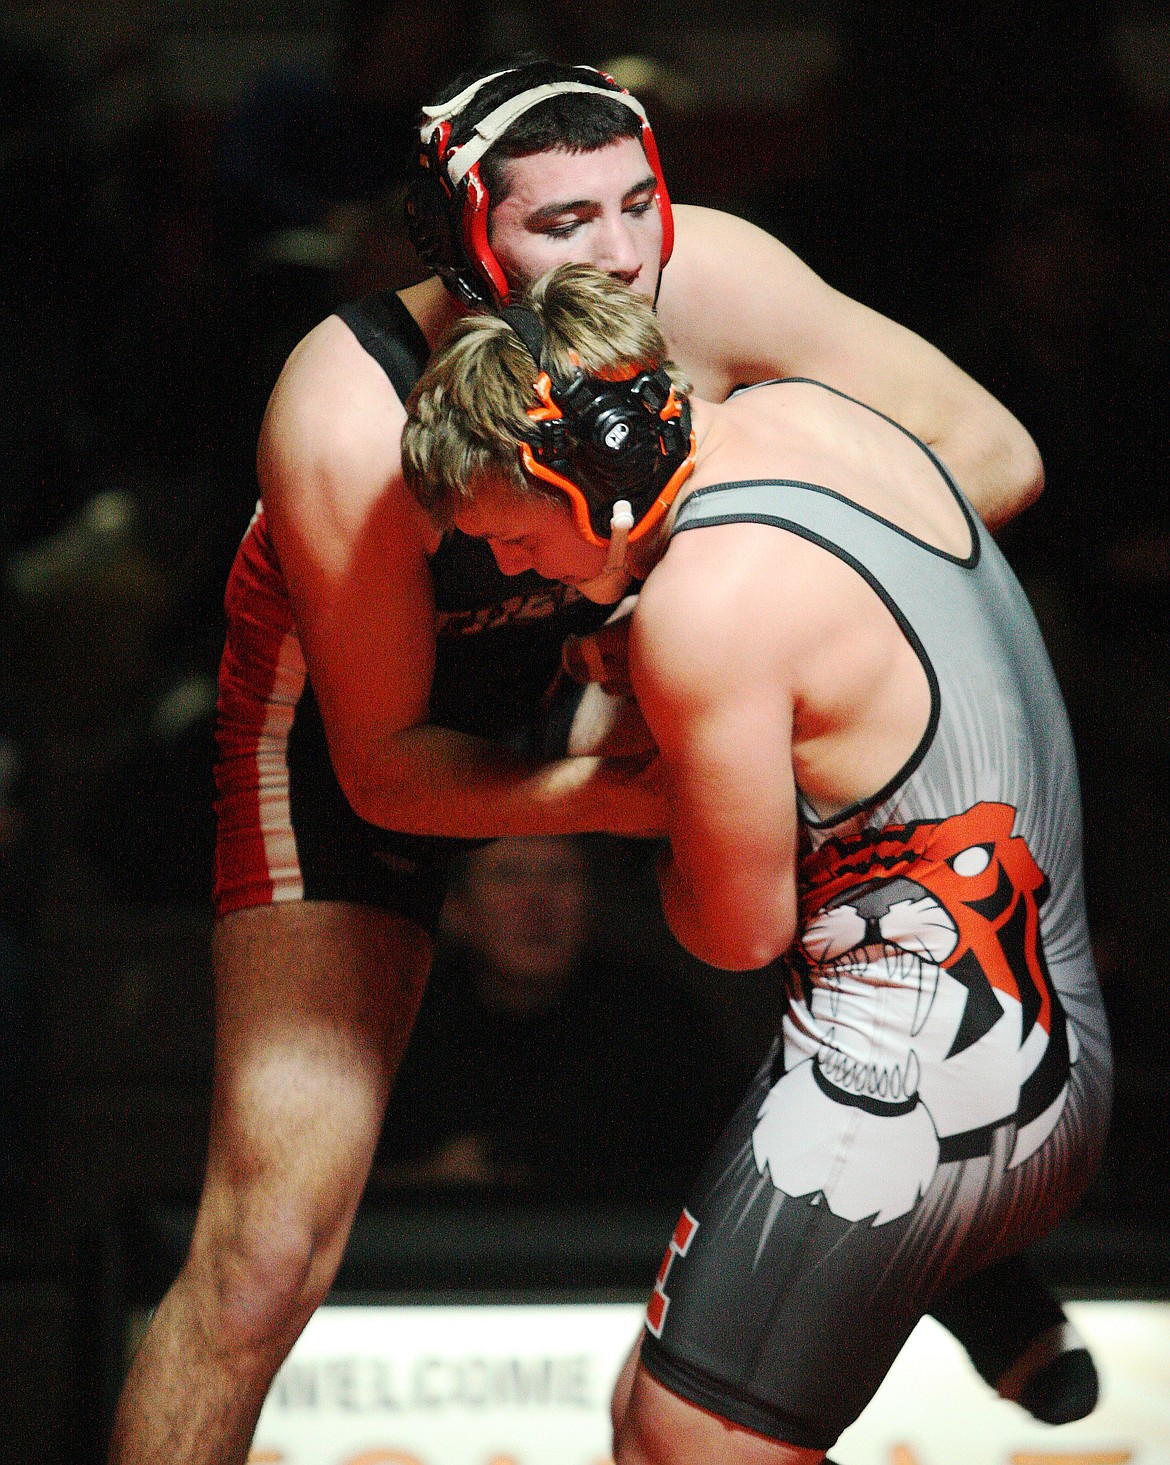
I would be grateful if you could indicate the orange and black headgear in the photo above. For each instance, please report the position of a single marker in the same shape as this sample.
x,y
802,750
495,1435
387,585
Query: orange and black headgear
x,y
447,202
606,442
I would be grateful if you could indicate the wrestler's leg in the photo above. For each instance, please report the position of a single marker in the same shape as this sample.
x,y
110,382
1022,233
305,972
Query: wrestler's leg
x,y
1021,1341
659,1428
623,1390
1059,1386
314,1005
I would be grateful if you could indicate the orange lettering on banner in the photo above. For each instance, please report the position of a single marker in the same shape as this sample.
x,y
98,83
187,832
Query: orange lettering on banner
x,y
1081,1457
503,1460
384,1457
903,1455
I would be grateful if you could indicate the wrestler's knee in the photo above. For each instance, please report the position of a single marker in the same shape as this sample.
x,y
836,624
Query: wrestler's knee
x,y
268,1240
646,1433
256,1271
635,1444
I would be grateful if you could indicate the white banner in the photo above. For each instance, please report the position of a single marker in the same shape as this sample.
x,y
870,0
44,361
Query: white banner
x,y
530,1385
934,1409
477,1385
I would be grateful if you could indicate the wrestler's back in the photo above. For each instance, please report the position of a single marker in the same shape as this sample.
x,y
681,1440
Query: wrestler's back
x,y
902,633
862,695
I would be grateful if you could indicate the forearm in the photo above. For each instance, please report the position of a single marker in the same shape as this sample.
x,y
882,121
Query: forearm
x,y
987,451
433,780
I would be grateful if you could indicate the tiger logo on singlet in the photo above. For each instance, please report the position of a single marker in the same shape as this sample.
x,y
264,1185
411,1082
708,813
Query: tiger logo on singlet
x,y
921,1015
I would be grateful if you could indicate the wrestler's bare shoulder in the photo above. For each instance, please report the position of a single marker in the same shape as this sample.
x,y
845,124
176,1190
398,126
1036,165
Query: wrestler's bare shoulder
x,y
332,432
329,385
334,401
735,302
702,236
329,452
699,616
742,595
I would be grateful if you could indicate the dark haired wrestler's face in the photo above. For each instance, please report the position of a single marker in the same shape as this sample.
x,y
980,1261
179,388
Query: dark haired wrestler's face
x,y
595,208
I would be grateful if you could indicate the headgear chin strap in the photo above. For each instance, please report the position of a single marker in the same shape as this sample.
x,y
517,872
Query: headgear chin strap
x,y
447,204
626,444
613,582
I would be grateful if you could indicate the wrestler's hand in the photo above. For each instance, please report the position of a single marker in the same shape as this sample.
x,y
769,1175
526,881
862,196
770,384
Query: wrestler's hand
x,y
602,658
608,722
609,727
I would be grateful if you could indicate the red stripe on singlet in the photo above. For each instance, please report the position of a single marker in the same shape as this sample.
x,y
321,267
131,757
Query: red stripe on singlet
x,y
261,677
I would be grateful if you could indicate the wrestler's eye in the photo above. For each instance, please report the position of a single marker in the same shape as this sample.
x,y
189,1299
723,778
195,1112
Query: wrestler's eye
x,y
972,861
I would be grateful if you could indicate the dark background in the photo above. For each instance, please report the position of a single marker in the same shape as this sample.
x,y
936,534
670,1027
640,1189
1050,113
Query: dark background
x,y
186,187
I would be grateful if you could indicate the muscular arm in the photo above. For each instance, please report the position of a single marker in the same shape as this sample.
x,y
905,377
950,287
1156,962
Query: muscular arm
x,y
720,711
353,547
775,317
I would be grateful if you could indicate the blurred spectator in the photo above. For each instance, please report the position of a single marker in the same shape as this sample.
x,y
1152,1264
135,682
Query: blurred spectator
x,y
540,1064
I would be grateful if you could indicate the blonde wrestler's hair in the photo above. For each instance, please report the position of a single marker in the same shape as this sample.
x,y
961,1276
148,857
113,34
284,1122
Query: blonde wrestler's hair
x,y
467,416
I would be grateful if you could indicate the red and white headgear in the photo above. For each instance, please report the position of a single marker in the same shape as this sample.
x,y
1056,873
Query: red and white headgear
x,y
447,203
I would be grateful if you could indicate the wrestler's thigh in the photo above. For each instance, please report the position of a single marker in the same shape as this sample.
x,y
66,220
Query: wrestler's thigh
x,y
314,1005
659,1428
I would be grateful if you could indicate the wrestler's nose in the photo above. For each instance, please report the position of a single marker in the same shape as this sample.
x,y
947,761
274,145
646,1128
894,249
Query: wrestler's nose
x,y
619,252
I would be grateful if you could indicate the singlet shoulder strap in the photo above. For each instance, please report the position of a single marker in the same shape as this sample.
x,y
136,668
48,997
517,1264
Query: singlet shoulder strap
x,y
391,335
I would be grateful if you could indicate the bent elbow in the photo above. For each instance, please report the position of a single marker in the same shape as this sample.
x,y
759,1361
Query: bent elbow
x,y
1031,473
750,956
365,790
729,943
1016,482
737,925
358,792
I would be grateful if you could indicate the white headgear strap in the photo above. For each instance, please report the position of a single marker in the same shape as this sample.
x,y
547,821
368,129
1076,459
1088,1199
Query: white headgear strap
x,y
492,127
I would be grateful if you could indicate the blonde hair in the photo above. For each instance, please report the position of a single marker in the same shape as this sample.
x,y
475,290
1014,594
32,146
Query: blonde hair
x,y
468,414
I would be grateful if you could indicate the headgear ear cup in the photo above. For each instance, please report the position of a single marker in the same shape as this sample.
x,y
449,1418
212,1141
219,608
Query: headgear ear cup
x,y
631,439
432,221
455,135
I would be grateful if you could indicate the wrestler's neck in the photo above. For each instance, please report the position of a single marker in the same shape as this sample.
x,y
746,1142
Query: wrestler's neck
x,y
434,308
